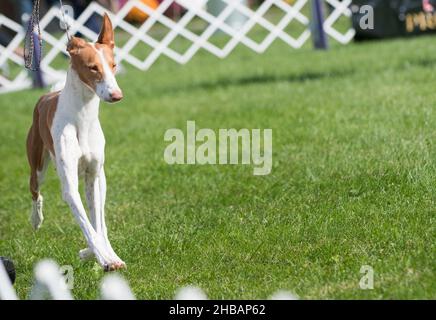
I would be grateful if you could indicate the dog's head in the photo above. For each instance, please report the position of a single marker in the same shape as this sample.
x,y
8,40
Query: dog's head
x,y
95,63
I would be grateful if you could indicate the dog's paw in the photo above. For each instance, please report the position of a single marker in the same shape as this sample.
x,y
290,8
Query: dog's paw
x,y
36,216
113,266
105,255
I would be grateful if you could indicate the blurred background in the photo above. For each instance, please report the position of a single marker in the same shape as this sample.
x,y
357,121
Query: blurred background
x,y
254,23
348,88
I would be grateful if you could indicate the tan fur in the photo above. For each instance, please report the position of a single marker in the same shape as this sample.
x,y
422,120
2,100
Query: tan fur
x,y
67,122
82,55
107,34
84,63
39,139
90,71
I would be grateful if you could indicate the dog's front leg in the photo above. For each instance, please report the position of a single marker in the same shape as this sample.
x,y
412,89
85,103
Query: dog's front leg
x,y
101,217
67,162
96,196
93,201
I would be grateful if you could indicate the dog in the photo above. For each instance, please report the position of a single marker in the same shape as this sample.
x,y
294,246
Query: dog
x,y
66,130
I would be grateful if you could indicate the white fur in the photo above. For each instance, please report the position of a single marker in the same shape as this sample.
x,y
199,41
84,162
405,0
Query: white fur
x,y
58,86
79,148
109,85
36,217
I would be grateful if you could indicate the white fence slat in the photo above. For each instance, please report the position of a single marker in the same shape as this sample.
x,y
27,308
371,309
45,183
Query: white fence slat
x,y
49,283
293,13
7,291
114,287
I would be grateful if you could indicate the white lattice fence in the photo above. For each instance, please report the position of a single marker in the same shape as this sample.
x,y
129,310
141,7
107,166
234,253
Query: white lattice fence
x,y
195,11
50,283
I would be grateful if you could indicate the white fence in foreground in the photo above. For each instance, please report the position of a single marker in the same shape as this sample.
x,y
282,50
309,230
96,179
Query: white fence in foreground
x,y
50,284
195,11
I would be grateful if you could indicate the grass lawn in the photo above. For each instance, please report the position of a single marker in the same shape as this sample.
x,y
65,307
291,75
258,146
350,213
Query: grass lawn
x,y
353,180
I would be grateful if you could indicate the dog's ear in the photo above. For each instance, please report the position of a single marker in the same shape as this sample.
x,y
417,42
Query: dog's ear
x,y
75,44
107,33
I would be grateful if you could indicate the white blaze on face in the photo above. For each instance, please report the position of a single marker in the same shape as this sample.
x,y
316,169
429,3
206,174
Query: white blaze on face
x,y
106,88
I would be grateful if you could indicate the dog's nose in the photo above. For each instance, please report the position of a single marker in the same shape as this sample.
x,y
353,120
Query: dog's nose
x,y
116,95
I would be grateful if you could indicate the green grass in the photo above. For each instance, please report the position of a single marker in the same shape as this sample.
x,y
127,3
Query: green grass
x,y
353,180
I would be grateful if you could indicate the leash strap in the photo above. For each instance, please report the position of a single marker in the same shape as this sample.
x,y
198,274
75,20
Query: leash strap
x,y
33,40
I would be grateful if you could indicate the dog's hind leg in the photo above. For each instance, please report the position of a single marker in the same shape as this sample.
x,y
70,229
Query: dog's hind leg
x,y
36,216
38,159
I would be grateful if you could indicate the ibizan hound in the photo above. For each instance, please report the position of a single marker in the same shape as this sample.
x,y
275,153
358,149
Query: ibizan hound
x,y
66,129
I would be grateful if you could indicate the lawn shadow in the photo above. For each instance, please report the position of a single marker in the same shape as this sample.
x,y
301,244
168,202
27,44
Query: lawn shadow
x,y
277,78
426,62
266,79
261,79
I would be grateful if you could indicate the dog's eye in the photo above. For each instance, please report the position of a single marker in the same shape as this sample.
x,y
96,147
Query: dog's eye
x,y
114,65
93,68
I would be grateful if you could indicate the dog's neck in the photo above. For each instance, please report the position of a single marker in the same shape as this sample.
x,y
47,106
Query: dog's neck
x,y
77,95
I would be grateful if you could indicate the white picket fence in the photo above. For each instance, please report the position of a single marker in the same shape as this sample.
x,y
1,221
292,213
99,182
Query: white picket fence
x,y
50,284
195,10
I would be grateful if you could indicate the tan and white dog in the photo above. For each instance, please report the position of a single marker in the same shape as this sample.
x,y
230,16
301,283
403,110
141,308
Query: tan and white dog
x,y
67,130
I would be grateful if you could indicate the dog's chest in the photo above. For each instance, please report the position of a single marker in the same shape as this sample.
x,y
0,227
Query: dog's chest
x,y
91,142
87,142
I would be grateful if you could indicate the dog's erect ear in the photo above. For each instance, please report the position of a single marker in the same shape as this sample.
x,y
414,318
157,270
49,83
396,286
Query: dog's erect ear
x,y
107,33
75,44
